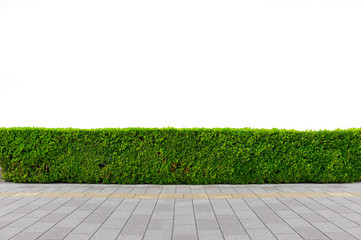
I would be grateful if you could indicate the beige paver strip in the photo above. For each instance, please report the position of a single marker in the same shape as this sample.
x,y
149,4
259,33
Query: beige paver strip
x,y
73,195
122,195
26,194
316,194
357,194
293,195
50,195
244,195
7,194
171,195
268,195
195,195
220,195
146,195
97,195
340,194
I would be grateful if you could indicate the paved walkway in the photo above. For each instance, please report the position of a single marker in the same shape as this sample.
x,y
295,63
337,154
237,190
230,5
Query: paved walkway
x,y
89,211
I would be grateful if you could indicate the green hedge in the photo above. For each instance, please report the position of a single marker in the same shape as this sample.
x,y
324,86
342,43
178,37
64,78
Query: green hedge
x,y
179,156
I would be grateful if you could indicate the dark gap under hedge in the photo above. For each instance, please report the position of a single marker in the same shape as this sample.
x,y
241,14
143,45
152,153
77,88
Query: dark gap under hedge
x,y
179,156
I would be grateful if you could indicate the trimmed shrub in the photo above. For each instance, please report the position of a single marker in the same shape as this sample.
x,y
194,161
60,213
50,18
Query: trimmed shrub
x,y
179,156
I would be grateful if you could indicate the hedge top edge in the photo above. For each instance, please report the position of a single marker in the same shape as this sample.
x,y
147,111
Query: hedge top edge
x,y
176,129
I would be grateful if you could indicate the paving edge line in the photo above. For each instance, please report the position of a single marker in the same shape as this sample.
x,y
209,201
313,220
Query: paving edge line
x,y
180,195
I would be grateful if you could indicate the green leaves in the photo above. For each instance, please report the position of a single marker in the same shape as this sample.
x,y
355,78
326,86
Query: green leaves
x,y
179,156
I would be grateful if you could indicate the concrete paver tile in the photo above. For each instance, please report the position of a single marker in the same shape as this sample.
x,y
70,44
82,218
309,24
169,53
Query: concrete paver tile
x,y
183,189
130,237
340,236
236,237
53,218
327,213
298,222
121,214
141,219
69,222
154,189
270,218
185,237
285,214
356,232
78,236
108,234
238,204
25,235
162,215
184,211
143,210
210,234
202,207
227,219
158,234
23,222
4,223
280,228
96,218
128,204
87,228
183,219
205,215
207,224
313,218
82,214
260,234
134,229
236,229
11,217
288,236
7,233
327,227
118,223
40,227
310,233
252,223
246,214
56,233
164,207
185,229
160,224
64,209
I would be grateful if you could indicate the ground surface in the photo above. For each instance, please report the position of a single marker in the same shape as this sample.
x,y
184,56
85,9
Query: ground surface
x,y
282,211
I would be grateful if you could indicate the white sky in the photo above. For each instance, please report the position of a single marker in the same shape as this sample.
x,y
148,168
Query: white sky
x,y
293,64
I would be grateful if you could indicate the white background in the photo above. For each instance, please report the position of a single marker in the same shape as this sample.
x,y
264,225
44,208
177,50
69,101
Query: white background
x,y
292,64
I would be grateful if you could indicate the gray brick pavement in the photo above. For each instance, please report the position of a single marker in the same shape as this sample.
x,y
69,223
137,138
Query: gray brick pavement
x,y
98,217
